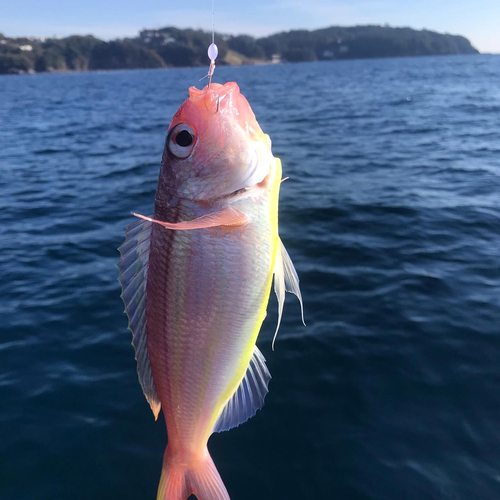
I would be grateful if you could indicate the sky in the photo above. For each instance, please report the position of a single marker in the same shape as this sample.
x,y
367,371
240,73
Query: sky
x,y
478,20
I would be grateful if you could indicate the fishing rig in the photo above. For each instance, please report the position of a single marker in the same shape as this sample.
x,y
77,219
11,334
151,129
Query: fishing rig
x,y
213,52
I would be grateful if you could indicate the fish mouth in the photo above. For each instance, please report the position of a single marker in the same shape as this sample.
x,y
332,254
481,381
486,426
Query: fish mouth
x,y
240,193
237,193
259,168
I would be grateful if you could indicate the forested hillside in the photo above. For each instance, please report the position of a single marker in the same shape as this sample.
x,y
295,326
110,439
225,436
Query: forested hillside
x,y
174,47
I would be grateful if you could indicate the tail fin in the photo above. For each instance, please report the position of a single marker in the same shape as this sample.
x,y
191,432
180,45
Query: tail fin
x,y
198,477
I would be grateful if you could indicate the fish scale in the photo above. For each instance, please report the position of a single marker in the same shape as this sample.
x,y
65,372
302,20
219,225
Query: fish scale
x,y
237,260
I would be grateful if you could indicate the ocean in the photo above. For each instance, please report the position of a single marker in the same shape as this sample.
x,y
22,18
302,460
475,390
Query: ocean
x,y
392,218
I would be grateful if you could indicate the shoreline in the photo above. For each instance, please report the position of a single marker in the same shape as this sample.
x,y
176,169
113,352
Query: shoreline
x,y
256,63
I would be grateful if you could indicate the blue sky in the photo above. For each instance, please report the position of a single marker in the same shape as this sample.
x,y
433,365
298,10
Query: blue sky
x,y
478,20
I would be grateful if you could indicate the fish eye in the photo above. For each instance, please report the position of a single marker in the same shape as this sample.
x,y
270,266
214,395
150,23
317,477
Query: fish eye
x,y
181,140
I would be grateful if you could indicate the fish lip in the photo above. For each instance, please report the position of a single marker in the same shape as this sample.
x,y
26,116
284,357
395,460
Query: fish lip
x,y
239,193
250,175
235,195
261,167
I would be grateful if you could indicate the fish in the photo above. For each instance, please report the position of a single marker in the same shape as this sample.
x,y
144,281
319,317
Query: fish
x,y
196,277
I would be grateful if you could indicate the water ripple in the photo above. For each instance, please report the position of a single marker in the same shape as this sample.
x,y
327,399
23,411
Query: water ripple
x,y
391,215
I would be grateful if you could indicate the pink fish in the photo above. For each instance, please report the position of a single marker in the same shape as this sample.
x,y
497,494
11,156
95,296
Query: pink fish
x,y
196,278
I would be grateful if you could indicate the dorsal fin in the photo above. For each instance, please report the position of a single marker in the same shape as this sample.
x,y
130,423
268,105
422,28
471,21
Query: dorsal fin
x,y
133,267
249,397
285,280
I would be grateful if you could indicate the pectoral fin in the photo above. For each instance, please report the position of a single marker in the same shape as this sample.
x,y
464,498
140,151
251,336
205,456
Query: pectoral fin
x,y
226,217
285,280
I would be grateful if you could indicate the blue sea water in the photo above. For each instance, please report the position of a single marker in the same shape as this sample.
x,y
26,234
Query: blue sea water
x,y
392,217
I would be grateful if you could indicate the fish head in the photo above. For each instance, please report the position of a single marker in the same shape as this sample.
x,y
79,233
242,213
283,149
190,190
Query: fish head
x,y
214,146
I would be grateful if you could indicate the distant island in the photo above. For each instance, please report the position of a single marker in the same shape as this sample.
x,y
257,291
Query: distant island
x,y
174,47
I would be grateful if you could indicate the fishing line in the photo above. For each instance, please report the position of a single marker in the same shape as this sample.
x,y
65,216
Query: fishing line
x,y
213,30
213,51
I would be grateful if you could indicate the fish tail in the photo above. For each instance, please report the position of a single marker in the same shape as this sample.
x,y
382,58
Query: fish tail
x,y
198,476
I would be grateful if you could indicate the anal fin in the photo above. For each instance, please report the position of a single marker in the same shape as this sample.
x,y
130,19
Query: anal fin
x,y
249,397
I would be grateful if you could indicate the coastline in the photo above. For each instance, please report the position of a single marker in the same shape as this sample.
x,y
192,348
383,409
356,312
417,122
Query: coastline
x,y
256,63
174,47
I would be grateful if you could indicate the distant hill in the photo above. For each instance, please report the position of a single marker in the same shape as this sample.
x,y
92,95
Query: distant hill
x,y
361,42
174,47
